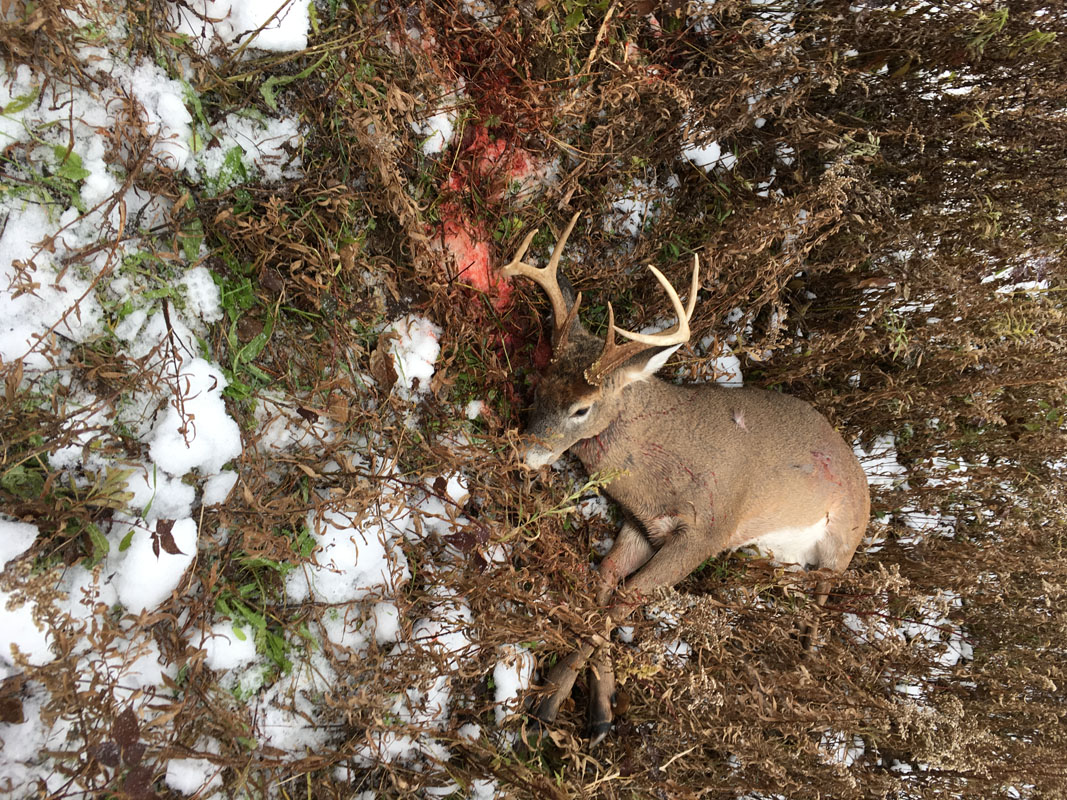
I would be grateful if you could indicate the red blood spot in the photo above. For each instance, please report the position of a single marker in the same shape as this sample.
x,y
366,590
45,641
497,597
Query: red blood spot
x,y
486,167
467,243
492,166
542,354
822,467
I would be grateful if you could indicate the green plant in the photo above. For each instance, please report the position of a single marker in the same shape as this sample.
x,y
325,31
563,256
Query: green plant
x,y
897,327
985,27
251,593
1035,41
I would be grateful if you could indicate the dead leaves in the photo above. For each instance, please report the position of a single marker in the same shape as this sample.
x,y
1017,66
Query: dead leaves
x,y
163,538
382,368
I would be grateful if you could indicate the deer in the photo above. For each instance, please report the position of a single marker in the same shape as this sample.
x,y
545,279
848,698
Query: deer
x,y
698,470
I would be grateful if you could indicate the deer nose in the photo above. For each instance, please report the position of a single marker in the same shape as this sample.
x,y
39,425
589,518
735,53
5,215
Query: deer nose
x,y
535,456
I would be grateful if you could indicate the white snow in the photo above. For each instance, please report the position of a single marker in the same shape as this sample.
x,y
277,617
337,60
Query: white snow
x,y
145,579
15,539
484,12
266,148
131,325
880,462
193,775
61,304
227,646
415,347
927,628
277,25
436,130
511,677
385,622
456,490
473,409
87,593
727,368
196,432
723,365
677,652
133,668
202,298
159,496
279,425
471,731
218,487
840,748
21,744
633,209
350,562
386,747
447,632
700,15
19,632
287,714
166,117
709,155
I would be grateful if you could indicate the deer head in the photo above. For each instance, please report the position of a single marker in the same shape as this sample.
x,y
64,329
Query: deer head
x,y
581,393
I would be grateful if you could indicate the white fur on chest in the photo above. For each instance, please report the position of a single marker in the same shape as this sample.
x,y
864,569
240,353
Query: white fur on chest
x,y
792,545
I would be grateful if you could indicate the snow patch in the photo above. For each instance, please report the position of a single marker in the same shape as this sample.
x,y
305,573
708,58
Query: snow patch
x,y
20,632
196,432
15,539
352,561
512,676
275,25
146,578
415,348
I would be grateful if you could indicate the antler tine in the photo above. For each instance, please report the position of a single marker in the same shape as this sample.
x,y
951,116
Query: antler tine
x,y
516,265
557,251
615,355
546,276
680,333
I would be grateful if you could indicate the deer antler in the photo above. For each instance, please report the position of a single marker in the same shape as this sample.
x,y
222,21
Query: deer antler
x,y
615,355
562,317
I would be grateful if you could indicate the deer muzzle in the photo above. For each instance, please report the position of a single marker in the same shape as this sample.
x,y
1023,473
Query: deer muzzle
x,y
535,456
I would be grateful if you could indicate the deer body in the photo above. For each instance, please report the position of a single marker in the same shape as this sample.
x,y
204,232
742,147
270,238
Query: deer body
x,y
699,469
686,464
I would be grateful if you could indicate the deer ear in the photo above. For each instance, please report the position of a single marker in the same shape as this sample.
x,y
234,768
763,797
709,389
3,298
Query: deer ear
x,y
645,366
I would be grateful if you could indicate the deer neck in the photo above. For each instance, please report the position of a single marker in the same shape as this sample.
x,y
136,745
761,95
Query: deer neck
x,y
609,448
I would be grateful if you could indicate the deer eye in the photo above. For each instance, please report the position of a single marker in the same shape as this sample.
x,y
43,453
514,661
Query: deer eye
x,y
579,413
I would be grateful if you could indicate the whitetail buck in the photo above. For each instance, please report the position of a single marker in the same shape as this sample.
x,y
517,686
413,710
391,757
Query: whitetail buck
x,y
700,469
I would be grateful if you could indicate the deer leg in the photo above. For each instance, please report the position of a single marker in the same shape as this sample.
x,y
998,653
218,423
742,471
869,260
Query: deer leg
x,y
679,556
630,551
810,631
672,562
601,696
561,680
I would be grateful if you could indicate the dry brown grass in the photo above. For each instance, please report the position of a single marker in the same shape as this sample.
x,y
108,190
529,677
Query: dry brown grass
x,y
962,185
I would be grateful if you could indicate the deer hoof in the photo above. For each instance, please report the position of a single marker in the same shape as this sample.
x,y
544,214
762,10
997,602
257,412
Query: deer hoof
x,y
598,732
